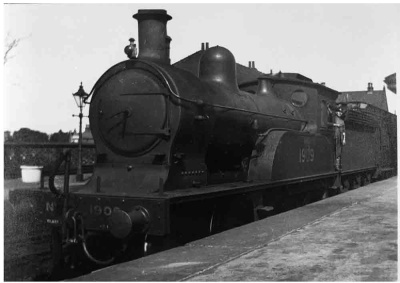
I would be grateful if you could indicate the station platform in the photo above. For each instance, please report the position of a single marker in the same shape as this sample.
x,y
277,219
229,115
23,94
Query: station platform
x,y
348,237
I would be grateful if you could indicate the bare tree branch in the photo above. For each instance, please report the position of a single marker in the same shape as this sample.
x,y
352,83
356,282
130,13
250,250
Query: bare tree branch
x,y
10,45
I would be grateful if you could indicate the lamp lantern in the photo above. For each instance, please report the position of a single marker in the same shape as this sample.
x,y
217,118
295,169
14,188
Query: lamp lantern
x,y
80,97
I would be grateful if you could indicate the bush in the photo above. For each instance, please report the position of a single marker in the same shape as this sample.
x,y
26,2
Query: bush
x,y
14,157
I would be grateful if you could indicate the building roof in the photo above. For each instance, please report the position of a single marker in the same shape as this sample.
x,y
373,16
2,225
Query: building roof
x,y
86,136
245,74
376,98
191,64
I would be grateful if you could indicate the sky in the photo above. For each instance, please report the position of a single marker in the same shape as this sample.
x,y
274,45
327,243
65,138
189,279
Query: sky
x,y
344,45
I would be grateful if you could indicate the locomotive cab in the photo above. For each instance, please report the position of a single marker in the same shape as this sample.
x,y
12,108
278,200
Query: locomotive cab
x,y
301,93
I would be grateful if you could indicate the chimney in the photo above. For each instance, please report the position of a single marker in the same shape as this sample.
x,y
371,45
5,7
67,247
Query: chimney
x,y
154,43
202,46
207,45
370,88
251,64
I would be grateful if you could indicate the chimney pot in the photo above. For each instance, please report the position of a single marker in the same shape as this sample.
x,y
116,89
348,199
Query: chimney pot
x,y
202,46
207,45
370,87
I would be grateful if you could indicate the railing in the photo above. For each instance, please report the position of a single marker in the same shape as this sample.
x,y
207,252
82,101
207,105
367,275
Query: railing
x,y
44,154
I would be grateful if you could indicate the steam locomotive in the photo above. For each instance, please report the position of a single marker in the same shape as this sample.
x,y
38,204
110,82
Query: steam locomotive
x,y
190,149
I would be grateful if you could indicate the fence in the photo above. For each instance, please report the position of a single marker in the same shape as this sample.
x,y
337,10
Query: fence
x,y
44,154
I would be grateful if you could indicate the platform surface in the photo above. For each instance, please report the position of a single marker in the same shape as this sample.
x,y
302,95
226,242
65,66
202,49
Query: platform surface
x,y
349,237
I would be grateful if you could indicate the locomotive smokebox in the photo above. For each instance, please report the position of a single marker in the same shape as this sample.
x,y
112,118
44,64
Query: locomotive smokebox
x,y
154,43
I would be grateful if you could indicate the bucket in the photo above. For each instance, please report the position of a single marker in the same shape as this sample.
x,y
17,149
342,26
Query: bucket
x,y
31,174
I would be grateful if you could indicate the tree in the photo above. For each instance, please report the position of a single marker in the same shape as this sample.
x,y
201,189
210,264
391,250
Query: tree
x,y
60,136
28,135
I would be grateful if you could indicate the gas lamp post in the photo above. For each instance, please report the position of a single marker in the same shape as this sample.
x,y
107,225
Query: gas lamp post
x,y
80,97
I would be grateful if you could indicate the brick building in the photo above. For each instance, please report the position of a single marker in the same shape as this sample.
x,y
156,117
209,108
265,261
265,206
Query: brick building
x,y
86,136
373,97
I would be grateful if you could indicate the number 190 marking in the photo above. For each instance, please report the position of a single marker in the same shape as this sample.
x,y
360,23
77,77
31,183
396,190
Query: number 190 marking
x,y
98,210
